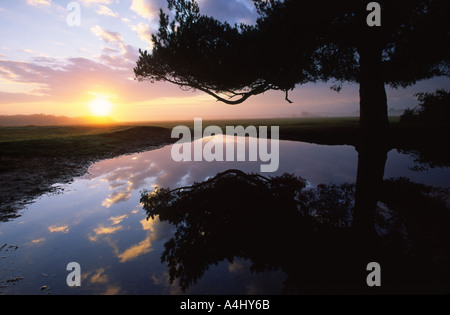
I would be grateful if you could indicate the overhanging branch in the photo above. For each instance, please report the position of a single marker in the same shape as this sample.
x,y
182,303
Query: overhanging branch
x,y
243,96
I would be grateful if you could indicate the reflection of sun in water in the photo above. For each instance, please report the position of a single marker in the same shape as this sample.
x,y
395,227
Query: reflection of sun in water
x,y
100,107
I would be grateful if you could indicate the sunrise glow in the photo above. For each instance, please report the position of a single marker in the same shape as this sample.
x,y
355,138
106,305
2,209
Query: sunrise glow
x,y
53,67
100,107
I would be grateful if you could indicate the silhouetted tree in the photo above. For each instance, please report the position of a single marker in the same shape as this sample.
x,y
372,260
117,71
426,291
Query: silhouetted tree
x,y
295,42
278,223
432,108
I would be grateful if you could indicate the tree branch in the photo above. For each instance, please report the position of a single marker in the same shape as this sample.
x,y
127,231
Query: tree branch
x,y
287,97
243,95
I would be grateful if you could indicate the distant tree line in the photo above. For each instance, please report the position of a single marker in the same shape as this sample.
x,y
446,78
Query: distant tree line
x,y
49,120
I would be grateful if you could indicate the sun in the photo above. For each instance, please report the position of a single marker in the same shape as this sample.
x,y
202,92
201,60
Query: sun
x,y
100,107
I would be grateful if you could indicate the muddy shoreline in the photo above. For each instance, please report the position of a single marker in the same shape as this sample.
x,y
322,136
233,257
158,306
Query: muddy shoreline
x,y
29,177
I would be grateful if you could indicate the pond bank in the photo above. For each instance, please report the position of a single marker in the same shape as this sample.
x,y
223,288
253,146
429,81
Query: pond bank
x,y
34,159
31,168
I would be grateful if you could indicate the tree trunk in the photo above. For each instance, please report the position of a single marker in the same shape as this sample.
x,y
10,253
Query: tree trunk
x,y
372,92
369,179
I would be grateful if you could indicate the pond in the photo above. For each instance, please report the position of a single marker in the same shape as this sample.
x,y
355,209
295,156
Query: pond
x,y
99,222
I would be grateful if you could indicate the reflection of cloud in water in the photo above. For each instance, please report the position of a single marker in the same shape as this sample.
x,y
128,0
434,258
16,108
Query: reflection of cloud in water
x,y
38,241
163,280
102,230
156,231
120,218
136,250
59,228
316,163
98,278
236,266
253,284
124,175
116,197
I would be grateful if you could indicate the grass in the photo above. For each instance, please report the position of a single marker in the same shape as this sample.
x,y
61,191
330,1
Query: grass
x,y
23,133
77,144
68,140
48,141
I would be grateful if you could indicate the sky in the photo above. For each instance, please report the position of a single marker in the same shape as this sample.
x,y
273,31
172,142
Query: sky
x,y
49,65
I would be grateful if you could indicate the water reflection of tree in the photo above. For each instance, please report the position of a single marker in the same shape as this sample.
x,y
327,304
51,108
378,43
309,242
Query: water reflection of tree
x,y
315,235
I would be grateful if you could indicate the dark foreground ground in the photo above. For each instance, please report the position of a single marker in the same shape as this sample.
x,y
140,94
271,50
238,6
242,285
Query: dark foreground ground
x,y
33,159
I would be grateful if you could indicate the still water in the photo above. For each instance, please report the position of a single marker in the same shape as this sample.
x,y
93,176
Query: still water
x,y
98,222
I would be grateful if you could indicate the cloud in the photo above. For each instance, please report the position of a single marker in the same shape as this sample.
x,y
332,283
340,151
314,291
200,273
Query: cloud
x,y
89,2
21,77
144,32
66,79
105,35
52,81
127,53
104,10
45,3
232,11
64,86
144,8
116,54
26,50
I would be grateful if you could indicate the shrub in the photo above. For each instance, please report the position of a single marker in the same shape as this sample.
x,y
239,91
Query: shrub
x,y
432,108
